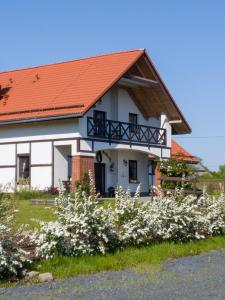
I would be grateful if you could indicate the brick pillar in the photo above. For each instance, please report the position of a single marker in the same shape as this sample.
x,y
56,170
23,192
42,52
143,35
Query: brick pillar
x,y
157,175
80,166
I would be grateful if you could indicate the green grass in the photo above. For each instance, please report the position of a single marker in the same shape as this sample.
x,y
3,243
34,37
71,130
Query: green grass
x,y
138,258
28,194
141,258
27,212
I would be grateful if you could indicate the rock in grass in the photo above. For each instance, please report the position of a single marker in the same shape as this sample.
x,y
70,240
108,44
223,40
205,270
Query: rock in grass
x,y
45,277
32,274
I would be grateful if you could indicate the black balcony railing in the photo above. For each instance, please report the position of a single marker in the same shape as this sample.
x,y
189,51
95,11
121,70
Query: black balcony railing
x,y
121,131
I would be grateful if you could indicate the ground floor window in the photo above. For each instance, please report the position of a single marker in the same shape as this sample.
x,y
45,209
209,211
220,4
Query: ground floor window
x,y
132,171
24,167
69,166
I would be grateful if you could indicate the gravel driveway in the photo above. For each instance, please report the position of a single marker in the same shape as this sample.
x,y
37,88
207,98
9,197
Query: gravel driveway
x,y
195,277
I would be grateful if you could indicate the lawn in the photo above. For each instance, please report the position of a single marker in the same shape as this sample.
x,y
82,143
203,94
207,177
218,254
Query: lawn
x,y
145,258
28,212
138,258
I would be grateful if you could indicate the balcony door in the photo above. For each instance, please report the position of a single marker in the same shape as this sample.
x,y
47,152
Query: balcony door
x,y
99,123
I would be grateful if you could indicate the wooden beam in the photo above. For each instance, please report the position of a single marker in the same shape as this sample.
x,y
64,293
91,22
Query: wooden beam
x,y
137,81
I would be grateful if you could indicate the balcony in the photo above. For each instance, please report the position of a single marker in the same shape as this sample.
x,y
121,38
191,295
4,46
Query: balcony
x,y
110,131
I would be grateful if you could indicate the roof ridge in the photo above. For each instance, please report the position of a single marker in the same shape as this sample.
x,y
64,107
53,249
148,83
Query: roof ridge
x,y
72,60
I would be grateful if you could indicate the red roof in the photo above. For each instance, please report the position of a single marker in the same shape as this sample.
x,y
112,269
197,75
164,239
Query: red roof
x,y
63,88
179,153
67,89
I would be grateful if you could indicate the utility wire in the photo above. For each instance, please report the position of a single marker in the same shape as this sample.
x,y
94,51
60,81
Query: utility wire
x,y
202,137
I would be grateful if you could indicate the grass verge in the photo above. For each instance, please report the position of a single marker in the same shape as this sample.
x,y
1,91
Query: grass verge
x,y
63,267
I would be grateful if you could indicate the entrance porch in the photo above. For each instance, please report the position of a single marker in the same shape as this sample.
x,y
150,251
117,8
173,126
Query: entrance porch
x,y
127,168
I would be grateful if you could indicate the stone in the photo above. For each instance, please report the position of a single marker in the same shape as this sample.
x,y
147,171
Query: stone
x,y
45,277
32,274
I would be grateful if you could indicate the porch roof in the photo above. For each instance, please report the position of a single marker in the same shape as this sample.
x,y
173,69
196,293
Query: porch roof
x,y
179,153
70,89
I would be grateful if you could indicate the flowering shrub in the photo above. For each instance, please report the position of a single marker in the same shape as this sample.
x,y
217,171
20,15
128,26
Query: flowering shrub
x,y
175,168
131,218
83,227
172,167
86,228
13,259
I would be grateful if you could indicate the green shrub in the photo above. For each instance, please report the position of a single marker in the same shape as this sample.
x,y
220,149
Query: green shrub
x,y
84,184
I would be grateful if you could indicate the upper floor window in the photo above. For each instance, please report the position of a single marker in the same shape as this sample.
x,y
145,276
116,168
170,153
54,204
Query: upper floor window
x,y
99,123
133,120
99,115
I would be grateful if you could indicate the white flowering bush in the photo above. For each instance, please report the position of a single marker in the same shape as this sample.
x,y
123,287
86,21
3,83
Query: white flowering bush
x,y
179,218
131,218
83,227
13,260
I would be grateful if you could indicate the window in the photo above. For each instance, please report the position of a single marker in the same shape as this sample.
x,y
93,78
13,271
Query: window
x,y
133,171
69,166
24,166
99,123
99,115
133,120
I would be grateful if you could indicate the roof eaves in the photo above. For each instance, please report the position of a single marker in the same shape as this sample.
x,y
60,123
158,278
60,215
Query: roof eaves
x,y
39,119
168,92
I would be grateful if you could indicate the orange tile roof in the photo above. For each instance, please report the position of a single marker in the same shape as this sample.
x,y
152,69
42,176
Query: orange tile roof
x,y
62,88
178,152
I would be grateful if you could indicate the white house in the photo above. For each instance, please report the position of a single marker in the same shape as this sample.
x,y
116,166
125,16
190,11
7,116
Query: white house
x,y
106,113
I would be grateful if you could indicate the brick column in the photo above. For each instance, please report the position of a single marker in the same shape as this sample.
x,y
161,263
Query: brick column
x,y
80,166
157,175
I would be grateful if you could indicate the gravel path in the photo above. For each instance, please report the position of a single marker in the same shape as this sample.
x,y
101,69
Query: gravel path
x,y
196,277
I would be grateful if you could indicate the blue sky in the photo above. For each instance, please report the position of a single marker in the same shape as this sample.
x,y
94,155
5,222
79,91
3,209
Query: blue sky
x,y
185,39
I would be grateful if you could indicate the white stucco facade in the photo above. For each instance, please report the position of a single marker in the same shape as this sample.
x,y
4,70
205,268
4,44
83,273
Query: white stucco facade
x,y
49,144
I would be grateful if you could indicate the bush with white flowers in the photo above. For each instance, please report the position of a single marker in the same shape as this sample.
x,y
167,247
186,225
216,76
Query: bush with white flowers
x,y
86,228
13,260
131,218
83,227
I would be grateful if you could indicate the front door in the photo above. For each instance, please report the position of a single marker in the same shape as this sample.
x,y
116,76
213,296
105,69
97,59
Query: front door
x,y
100,178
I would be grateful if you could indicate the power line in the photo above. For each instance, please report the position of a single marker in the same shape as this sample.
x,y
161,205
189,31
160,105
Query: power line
x,y
202,137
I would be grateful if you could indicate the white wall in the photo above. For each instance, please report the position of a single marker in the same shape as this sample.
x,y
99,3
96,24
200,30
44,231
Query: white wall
x,y
120,174
7,155
41,153
39,131
118,104
142,170
41,177
126,105
23,148
61,163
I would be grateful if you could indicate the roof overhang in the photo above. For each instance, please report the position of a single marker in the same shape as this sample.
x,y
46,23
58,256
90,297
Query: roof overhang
x,y
145,86
41,119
